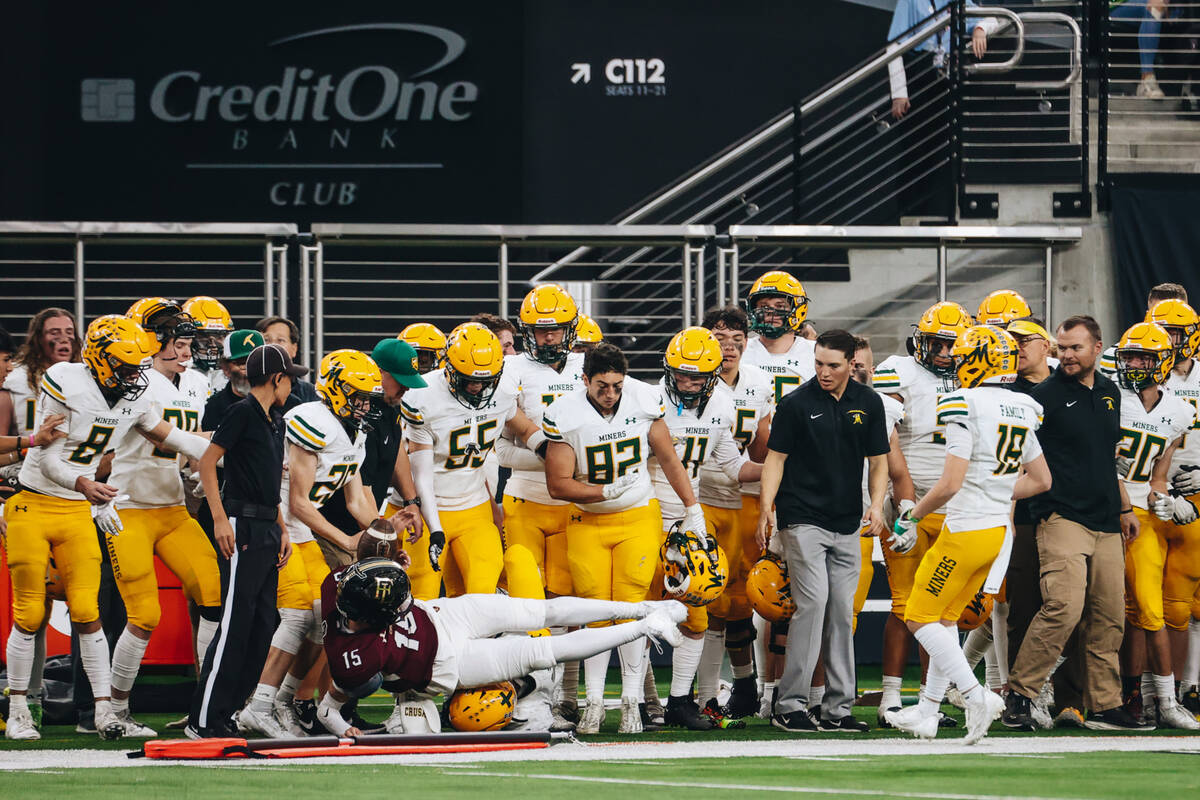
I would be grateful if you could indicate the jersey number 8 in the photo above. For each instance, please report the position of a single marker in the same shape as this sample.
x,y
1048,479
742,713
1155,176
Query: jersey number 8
x,y
600,459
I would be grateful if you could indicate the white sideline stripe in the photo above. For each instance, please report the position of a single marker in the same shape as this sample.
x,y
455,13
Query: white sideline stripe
x,y
742,787
202,718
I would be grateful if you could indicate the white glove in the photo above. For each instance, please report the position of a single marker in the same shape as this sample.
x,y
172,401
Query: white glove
x,y
1124,464
106,516
905,507
1185,511
693,520
1187,480
620,486
904,533
1162,505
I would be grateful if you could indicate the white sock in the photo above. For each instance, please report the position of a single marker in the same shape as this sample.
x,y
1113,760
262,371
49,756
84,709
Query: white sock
x,y
287,689
891,692
39,665
570,682
943,649
205,631
991,669
633,660
933,691
119,706
18,702
685,660
263,699
1148,685
650,685
815,695
19,658
709,674
742,670
595,672
979,642
762,629
1191,667
127,660
1000,637
93,651
581,611
1164,688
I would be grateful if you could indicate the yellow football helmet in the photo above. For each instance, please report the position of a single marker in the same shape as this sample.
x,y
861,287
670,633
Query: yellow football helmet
x,y
1149,342
984,354
473,355
768,589
693,573
1181,321
777,284
548,307
484,708
213,323
977,611
587,334
351,385
1002,307
162,317
430,344
692,353
941,323
118,352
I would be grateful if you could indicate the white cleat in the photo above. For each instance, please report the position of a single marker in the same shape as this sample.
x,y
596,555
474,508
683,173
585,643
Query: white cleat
x,y
661,625
132,728
1178,717
593,716
107,725
955,698
631,717
252,721
395,721
912,721
981,714
285,715
20,726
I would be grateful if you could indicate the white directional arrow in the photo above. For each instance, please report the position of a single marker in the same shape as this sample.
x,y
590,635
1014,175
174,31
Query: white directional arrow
x,y
583,72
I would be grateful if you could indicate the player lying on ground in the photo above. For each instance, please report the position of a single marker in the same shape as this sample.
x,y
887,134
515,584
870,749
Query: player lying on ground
x,y
377,634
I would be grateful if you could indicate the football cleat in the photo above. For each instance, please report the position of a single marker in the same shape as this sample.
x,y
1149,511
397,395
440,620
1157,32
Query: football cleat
x,y
474,358
108,726
1018,712
262,723
981,713
1069,717
1115,719
430,344
1002,307
548,308
936,331
713,711
568,710
683,712
881,716
1144,357
1178,717
743,698
1190,699
306,715
946,721
984,354
692,353
593,716
631,717
912,721
653,716
20,727
351,386
288,719
791,317
134,729
1182,324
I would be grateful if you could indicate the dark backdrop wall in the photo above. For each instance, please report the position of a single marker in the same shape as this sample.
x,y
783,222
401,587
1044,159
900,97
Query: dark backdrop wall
x,y
1155,240
534,111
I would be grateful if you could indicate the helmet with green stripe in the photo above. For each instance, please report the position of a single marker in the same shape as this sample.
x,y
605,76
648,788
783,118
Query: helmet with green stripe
x,y
351,385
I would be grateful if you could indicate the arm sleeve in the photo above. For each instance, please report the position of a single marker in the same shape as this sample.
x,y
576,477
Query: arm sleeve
x,y
959,439
422,472
189,444
727,456
513,456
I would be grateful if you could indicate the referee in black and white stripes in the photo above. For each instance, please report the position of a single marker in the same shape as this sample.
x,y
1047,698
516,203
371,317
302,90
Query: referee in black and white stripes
x,y
249,531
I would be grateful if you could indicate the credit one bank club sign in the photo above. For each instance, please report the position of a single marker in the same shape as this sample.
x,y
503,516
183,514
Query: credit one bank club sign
x,y
304,118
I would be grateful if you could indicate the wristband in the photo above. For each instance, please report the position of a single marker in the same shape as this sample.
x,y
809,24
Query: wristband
x,y
1126,511
416,501
31,444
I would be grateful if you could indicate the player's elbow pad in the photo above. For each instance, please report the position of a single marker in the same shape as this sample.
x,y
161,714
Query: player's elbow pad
x,y
189,444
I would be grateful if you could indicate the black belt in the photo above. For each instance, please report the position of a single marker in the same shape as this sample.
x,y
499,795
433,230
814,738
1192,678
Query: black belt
x,y
236,508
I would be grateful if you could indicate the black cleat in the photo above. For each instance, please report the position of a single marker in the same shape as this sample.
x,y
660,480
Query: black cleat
x,y
652,717
1018,714
794,722
1115,719
1191,700
713,711
946,721
306,715
846,724
743,699
684,713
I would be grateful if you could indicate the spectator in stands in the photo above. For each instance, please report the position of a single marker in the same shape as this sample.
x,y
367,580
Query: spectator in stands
x,y
808,331
283,332
505,331
1148,14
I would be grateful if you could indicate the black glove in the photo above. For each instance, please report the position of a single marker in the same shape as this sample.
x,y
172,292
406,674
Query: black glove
x,y
437,543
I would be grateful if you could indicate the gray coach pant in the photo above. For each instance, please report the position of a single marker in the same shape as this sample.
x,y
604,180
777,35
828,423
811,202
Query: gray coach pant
x,y
823,569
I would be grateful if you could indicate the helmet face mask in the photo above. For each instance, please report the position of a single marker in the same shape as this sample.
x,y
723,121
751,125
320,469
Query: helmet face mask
x,y
117,352
130,379
373,592
206,350
547,353
548,308
1144,357
351,386
460,387
934,336
693,353
693,398
773,319
691,574
474,364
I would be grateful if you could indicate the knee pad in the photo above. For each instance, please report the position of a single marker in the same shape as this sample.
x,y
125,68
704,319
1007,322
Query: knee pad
x,y
1177,614
739,633
293,625
141,601
779,631
524,577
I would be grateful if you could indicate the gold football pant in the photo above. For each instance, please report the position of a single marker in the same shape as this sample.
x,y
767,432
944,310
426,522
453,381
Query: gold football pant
x,y
175,537
613,556
301,577
1162,572
39,525
472,561
540,529
1181,574
735,534
902,569
866,571
951,573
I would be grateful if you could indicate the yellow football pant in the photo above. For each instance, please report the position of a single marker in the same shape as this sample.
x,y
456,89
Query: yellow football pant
x,y
540,529
735,534
613,556
902,569
175,537
1181,575
39,525
951,573
301,577
1145,561
472,561
866,571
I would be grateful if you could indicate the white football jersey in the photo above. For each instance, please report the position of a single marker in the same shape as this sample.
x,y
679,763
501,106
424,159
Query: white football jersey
x,y
1187,388
24,400
788,370
145,472
92,425
1145,435
922,434
536,386
606,448
701,437
753,400
461,438
994,430
339,457
893,412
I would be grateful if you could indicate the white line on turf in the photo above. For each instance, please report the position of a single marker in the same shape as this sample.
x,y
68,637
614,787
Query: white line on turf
x,y
742,787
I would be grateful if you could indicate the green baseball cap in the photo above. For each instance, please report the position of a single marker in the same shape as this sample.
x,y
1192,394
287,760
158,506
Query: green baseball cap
x,y
398,358
241,344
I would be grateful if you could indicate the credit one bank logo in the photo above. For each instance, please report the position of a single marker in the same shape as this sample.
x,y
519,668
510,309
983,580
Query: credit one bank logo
x,y
366,93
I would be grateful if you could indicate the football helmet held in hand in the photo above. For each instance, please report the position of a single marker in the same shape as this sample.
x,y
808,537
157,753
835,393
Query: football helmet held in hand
x,y
769,590
695,569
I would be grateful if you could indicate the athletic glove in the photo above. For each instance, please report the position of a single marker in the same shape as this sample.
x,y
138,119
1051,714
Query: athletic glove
x,y
693,520
1187,480
1185,511
106,516
621,485
1124,464
1162,505
437,543
904,533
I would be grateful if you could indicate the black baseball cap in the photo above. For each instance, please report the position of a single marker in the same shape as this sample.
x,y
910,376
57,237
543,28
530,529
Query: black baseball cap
x,y
271,359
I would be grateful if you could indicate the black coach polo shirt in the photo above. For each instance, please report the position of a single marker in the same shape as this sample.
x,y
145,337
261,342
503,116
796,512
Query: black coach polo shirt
x,y
253,454
825,441
1080,431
